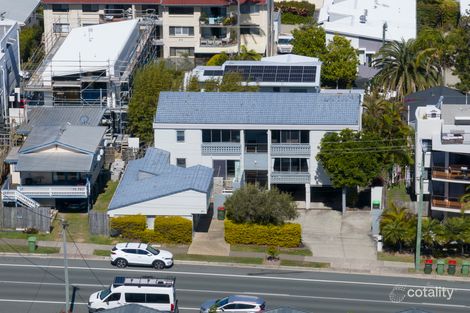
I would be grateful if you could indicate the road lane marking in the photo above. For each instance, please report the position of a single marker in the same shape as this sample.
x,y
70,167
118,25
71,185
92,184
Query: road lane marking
x,y
312,280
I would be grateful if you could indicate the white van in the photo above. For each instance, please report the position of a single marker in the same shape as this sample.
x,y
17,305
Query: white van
x,y
284,44
152,292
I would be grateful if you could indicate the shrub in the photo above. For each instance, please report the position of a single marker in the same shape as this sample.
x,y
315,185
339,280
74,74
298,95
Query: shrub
x,y
288,235
173,229
295,12
129,226
30,230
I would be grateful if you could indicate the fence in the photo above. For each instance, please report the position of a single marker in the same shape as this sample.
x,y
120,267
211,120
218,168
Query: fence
x,y
98,223
21,218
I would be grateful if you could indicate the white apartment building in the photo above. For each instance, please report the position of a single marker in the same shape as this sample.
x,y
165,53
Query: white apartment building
x,y
9,64
464,7
367,24
186,28
266,138
443,144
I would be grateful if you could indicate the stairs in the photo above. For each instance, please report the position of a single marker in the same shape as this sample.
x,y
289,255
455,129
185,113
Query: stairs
x,y
18,197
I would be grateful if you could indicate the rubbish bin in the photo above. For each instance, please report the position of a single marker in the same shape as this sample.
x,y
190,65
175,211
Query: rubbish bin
x,y
32,244
451,267
428,266
220,213
465,267
440,267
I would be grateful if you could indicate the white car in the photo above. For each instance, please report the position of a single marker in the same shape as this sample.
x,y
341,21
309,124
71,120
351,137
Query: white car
x,y
124,254
284,44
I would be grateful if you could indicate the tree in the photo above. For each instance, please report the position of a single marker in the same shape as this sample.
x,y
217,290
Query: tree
x,y
218,59
462,56
457,229
147,84
404,68
193,84
339,63
248,55
398,227
432,233
30,37
310,41
437,14
249,204
233,82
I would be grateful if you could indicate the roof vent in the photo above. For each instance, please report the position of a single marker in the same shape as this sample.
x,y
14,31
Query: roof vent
x,y
84,120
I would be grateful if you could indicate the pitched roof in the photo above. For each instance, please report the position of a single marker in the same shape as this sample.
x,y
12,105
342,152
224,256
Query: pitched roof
x,y
153,177
18,10
54,162
61,116
258,108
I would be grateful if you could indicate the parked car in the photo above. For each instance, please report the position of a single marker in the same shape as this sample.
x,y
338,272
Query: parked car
x,y
130,253
284,44
235,303
153,292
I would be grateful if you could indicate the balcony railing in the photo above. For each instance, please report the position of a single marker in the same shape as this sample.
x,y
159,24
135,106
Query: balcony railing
x,y
452,139
218,20
448,203
45,192
457,172
117,15
290,178
287,149
221,148
216,42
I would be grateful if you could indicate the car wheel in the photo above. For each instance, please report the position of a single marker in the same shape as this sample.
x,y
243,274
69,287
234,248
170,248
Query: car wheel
x,y
121,263
159,265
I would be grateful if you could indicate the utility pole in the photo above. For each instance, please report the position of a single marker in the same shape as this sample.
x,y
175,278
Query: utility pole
x,y
384,30
238,27
420,213
66,269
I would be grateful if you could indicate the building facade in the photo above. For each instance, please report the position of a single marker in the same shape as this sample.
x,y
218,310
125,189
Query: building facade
x,y
186,28
442,153
267,138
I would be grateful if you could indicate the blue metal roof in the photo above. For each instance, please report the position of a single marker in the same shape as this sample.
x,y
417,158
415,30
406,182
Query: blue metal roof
x,y
154,177
258,108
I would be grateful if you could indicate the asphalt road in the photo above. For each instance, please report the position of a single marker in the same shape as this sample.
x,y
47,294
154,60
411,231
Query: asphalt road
x,y
36,285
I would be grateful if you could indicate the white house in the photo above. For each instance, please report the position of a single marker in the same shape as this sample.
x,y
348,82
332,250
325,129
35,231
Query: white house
x,y
367,24
151,186
23,12
443,143
9,64
266,138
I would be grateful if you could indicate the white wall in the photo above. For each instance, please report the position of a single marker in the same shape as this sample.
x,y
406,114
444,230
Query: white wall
x,y
318,176
182,204
9,62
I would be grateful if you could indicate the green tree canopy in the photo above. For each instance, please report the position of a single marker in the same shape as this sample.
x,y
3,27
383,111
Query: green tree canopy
x,y
218,59
193,84
245,54
233,82
462,56
309,40
249,204
351,158
339,63
398,227
30,37
147,84
437,14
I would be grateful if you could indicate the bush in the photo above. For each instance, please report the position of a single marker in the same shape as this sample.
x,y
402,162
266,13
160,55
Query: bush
x,y
129,226
294,19
288,235
294,12
30,230
173,229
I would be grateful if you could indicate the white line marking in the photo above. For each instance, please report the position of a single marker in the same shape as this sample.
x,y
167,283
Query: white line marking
x,y
140,271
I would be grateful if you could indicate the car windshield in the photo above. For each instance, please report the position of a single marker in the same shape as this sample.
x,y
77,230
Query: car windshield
x,y
105,293
221,302
284,41
153,250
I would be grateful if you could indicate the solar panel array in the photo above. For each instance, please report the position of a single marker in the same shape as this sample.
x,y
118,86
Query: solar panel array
x,y
294,74
213,73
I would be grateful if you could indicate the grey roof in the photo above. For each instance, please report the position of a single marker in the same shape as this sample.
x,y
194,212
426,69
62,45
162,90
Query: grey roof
x,y
132,308
449,112
61,116
12,156
258,108
18,10
81,141
153,177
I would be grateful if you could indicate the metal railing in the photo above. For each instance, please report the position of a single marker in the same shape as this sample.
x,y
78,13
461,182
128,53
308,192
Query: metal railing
x,y
48,191
457,172
290,177
11,195
221,148
290,149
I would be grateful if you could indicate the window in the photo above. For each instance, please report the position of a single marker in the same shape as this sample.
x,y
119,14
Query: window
x,y
157,298
142,252
180,136
249,30
90,8
181,52
60,8
135,297
181,10
230,306
244,306
220,135
181,162
132,251
61,28
290,136
181,31
290,165
114,297
249,8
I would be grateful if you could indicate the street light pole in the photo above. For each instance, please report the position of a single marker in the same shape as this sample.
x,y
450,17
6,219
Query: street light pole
x,y
66,269
420,213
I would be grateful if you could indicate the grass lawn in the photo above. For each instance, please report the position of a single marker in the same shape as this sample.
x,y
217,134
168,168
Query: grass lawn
x,y
101,252
52,236
104,198
305,264
397,193
215,258
262,249
384,256
24,249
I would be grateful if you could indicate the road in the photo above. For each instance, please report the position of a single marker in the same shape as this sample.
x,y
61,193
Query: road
x,y
36,285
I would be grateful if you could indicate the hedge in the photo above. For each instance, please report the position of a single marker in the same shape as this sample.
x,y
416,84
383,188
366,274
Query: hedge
x,y
129,226
173,229
295,12
288,235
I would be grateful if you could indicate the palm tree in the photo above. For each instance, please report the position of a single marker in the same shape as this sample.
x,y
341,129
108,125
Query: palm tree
x,y
404,68
398,226
457,230
246,54
432,232
465,201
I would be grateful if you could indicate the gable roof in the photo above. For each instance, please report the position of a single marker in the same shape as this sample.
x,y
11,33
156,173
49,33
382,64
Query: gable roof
x,y
258,108
61,116
153,177
18,10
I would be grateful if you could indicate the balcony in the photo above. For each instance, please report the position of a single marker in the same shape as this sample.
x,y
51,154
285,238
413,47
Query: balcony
x,y
450,139
256,147
286,149
458,173
218,21
214,41
52,191
290,178
221,148
118,15
447,204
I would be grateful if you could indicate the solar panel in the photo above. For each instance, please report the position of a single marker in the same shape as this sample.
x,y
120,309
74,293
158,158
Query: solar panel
x,y
261,73
213,72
